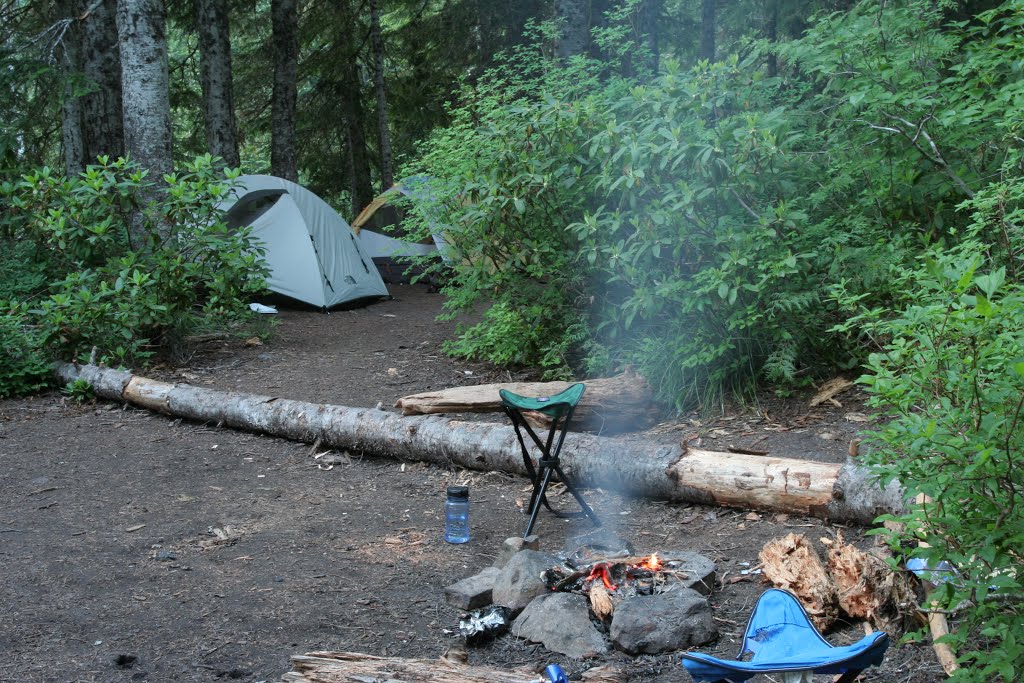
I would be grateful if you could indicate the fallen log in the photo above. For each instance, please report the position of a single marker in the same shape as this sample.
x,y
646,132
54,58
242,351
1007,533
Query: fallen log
x,y
635,467
609,405
354,667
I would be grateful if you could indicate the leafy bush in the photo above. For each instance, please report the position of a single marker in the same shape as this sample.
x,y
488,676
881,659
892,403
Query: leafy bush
x,y
25,368
128,275
951,380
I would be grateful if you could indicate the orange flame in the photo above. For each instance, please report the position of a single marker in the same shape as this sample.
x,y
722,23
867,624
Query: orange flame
x,y
653,563
600,571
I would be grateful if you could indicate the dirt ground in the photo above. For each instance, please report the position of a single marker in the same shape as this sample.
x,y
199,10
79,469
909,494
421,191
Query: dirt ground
x,y
137,547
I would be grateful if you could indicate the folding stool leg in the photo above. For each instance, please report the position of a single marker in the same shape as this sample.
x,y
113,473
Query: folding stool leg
x,y
536,499
576,494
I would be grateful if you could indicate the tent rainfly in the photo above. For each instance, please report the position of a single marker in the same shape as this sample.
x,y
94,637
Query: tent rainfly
x,y
382,247
311,251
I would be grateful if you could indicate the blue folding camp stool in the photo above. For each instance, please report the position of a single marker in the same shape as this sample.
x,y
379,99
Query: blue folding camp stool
x,y
559,408
782,639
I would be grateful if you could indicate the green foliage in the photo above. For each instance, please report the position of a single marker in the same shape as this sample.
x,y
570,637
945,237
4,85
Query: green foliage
x,y
79,390
712,226
951,380
124,298
25,368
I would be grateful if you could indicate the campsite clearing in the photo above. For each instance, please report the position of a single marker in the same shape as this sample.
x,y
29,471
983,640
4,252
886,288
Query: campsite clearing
x,y
139,547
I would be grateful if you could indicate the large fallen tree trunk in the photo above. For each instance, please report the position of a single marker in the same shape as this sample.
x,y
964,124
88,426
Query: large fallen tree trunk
x,y
635,467
609,405
354,667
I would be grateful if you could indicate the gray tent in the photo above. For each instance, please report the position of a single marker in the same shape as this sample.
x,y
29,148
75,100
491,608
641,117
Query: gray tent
x,y
312,252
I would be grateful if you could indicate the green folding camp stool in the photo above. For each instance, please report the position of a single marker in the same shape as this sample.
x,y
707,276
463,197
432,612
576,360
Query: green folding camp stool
x,y
559,408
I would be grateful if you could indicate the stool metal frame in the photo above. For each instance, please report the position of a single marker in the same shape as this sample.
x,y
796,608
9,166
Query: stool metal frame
x,y
559,408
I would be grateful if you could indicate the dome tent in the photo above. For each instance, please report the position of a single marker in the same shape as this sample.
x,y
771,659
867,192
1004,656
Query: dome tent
x,y
311,251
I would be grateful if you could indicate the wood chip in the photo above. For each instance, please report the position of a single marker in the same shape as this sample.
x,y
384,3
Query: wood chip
x,y
135,528
601,601
829,389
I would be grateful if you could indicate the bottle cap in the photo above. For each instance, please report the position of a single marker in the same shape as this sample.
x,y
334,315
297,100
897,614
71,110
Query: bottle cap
x,y
458,492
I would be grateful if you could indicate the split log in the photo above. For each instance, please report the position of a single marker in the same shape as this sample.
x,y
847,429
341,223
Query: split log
x,y
938,625
792,563
354,667
635,467
609,406
601,601
869,589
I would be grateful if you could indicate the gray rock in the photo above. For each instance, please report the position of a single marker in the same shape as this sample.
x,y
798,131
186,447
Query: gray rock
x,y
561,623
473,592
653,624
511,546
520,580
699,570
600,543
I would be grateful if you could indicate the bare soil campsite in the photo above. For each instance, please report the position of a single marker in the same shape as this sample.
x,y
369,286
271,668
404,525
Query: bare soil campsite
x,y
136,546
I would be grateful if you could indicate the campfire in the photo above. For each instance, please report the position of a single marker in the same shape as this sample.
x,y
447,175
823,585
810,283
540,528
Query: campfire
x,y
607,581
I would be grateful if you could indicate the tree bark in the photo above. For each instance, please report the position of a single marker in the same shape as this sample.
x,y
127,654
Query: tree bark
x,y
362,186
387,174
71,121
648,19
573,21
102,110
283,154
333,667
141,30
352,109
610,405
707,31
635,467
215,74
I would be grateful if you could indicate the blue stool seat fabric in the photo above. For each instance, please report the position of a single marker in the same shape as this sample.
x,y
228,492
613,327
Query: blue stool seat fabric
x,y
782,638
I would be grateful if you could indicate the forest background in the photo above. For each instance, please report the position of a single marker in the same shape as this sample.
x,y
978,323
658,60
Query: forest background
x,y
726,196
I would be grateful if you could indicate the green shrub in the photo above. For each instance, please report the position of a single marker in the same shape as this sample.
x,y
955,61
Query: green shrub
x,y
951,382
127,276
25,368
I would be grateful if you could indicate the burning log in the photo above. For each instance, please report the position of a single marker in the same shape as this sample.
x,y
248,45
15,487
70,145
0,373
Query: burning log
x,y
601,601
610,405
333,667
635,467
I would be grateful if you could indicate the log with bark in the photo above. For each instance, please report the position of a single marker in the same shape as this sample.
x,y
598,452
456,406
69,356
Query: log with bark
x,y
610,405
355,667
840,492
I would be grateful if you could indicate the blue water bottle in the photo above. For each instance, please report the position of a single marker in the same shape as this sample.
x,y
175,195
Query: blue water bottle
x,y
456,515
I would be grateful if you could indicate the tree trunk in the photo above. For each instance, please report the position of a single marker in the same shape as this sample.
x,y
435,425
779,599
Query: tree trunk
x,y
635,467
707,31
141,29
609,405
215,71
102,111
351,106
283,155
333,667
648,17
387,175
572,17
71,120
